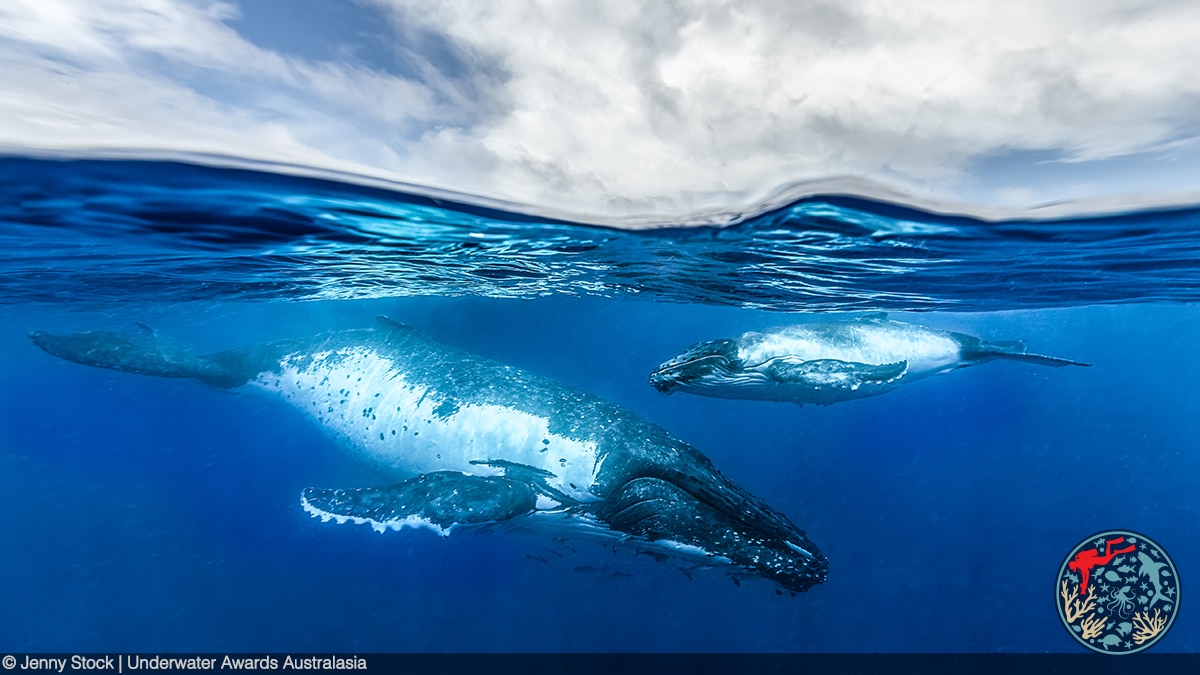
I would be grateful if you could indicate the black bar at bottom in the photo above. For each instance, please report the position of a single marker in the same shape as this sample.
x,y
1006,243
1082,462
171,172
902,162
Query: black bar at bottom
x,y
605,664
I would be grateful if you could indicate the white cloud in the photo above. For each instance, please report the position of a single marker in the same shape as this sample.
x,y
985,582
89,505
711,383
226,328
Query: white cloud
x,y
745,95
139,74
612,108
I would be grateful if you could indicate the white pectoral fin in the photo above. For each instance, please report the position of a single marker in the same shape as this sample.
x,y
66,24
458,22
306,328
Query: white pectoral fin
x,y
831,373
439,500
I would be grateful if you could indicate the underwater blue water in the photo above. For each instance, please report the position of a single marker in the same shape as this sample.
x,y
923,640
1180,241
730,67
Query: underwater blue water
x,y
148,514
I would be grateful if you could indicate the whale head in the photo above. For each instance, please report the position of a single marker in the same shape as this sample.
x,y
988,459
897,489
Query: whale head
x,y
694,514
703,362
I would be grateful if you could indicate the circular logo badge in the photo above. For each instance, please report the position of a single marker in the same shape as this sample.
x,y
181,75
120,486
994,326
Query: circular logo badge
x,y
1118,592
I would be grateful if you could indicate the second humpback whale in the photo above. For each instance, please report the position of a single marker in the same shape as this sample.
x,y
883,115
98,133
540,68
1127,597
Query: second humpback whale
x,y
465,441
830,362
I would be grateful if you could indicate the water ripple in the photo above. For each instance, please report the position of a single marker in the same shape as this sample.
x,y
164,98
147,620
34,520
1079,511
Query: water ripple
x,y
103,231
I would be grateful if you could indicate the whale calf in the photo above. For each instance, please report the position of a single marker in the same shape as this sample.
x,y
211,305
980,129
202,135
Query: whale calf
x,y
465,441
830,362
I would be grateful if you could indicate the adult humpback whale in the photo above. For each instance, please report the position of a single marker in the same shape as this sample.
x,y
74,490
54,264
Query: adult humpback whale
x,y
830,362
473,441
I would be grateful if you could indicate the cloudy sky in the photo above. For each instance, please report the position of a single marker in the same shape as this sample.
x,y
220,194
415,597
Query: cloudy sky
x,y
611,108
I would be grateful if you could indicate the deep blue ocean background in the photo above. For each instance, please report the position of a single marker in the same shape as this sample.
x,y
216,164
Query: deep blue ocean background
x,y
145,514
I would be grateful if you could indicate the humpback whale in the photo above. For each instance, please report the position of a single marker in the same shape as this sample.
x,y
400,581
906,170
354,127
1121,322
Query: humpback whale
x,y
830,362
464,441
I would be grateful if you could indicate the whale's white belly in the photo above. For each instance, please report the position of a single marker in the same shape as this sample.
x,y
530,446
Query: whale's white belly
x,y
407,428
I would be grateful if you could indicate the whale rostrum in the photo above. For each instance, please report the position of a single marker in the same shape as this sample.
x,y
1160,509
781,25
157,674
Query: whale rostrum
x,y
464,441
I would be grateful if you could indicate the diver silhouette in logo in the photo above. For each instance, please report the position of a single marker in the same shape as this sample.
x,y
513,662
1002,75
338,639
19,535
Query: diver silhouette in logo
x,y
1088,559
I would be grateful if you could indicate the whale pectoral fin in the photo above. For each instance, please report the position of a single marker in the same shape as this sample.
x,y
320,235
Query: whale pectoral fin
x,y
439,501
515,469
831,373
528,475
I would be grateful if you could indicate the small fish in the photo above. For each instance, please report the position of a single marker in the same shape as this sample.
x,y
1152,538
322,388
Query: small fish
x,y
529,556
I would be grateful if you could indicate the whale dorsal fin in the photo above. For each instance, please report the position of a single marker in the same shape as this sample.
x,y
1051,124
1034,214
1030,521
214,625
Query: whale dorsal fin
x,y
391,324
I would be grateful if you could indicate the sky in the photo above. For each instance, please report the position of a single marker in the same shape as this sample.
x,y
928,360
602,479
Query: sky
x,y
619,109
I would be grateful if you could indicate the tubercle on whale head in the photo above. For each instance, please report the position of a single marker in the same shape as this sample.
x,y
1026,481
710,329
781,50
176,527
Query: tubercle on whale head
x,y
695,363
663,383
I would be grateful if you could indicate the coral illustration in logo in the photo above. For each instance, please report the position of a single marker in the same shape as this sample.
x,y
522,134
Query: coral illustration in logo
x,y
1115,598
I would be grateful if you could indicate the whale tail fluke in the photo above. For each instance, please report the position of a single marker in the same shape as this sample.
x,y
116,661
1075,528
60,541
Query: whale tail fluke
x,y
139,353
1013,350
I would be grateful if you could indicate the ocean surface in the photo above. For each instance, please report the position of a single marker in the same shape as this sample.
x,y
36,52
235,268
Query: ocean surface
x,y
150,514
